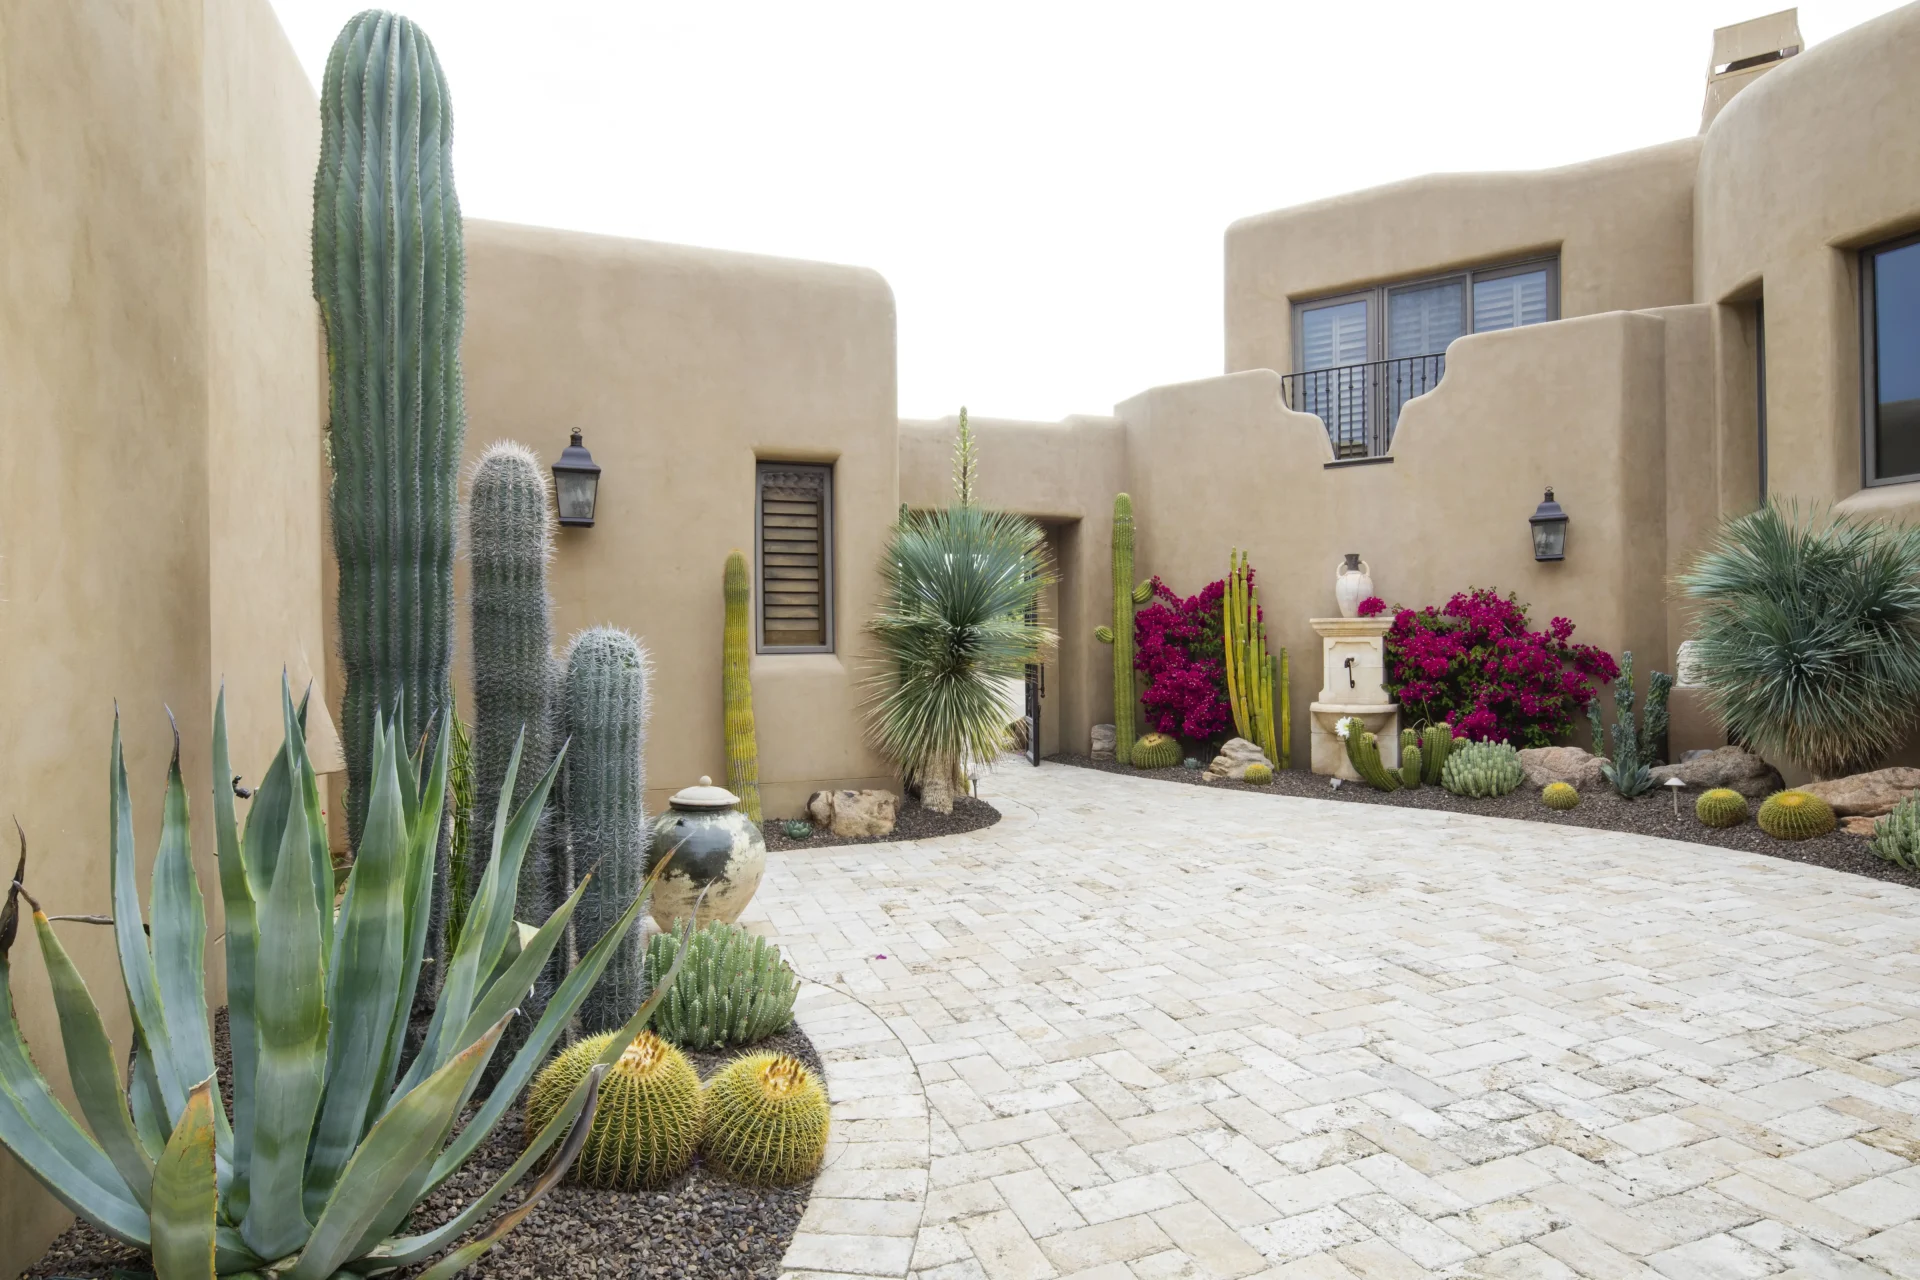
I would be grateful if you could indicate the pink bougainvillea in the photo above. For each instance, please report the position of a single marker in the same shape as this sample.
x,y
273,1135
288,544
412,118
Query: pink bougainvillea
x,y
1372,606
1177,647
1476,665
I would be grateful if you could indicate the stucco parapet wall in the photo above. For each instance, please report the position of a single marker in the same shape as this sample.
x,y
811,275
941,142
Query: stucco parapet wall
x,y
1063,470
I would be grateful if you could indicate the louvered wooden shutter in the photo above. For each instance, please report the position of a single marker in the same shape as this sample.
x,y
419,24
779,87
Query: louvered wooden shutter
x,y
795,556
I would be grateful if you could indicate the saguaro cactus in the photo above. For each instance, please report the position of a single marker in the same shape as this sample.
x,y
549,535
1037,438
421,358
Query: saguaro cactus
x,y
736,690
388,273
1120,635
607,702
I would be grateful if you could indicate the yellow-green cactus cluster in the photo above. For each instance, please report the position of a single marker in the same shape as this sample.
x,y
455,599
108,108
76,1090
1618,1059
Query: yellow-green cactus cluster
x,y
1721,807
649,1120
1156,751
766,1121
1795,815
1258,774
1559,795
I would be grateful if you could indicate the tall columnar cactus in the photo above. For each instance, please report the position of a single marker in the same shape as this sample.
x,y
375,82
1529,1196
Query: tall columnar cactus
x,y
1283,708
606,711
1250,673
389,275
1363,753
1631,766
1120,636
1436,744
736,689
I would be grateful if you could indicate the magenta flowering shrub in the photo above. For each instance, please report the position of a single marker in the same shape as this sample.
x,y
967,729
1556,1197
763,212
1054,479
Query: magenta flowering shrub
x,y
1372,606
1177,648
1476,665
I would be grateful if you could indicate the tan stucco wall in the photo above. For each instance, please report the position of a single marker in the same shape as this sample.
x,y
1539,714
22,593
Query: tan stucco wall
x,y
1622,226
683,366
137,557
1808,164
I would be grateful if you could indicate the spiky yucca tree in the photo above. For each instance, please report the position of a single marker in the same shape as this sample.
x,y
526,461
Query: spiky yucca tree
x,y
330,1147
1808,632
959,586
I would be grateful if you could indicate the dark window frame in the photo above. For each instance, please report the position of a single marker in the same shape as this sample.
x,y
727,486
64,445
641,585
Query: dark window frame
x,y
1870,368
765,467
1379,300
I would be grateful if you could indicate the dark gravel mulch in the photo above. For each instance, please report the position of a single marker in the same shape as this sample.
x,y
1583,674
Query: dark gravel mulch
x,y
702,1227
912,823
1650,815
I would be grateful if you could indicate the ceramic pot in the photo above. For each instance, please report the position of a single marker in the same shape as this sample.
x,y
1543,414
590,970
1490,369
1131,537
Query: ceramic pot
x,y
713,846
1352,583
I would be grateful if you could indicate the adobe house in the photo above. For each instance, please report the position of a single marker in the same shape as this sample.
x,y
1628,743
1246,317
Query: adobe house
x,y
1663,337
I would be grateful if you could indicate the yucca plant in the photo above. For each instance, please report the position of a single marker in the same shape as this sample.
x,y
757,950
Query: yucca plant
x,y
961,590
331,1145
1808,633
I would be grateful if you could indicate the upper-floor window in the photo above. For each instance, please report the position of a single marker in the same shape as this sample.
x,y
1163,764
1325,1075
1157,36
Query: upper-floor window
x,y
1890,322
794,544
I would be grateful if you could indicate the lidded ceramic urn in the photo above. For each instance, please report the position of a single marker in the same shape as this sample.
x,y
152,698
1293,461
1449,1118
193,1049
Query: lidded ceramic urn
x,y
1352,584
713,846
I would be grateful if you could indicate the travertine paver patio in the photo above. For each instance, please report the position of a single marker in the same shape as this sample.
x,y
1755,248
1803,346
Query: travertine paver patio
x,y
1142,1030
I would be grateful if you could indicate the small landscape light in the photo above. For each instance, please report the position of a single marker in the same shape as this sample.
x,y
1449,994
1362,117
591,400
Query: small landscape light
x,y
1549,524
576,484
1676,786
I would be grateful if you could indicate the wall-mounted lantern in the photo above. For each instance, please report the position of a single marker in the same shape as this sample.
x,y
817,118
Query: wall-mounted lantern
x,y
1549,524
576,484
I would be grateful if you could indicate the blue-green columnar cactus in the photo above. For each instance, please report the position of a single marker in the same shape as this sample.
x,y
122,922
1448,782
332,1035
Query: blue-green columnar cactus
x,y
606,718
389,275
1630,767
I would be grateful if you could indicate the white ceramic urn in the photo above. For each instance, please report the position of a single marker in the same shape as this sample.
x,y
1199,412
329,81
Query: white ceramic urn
x,y
1352,583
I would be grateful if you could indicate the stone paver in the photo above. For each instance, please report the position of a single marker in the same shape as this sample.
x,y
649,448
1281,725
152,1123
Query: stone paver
x,y
1141,1030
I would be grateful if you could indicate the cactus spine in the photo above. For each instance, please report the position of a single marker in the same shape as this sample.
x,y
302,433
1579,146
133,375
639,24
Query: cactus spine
x,y
736,690
1250,674
650,1116
1436,744
1121,637
606,708
1156,751
734,988
766,1120
1795,815
389,275
1559,795
1363,753
1721,807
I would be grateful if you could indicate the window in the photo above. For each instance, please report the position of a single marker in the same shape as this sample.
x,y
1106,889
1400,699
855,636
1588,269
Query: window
x,y
794,539
1890,347
1422,316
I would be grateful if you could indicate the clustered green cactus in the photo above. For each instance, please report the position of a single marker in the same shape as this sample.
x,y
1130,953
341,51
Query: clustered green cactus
x,y
1721,807
606,701
1436,744
1630,769
1896,837
1411,765
648,1125
1120,634
1251,671
736,689
1482,769
734,989
767,1121
1560,795
1156,751
1363,753
1795,815
1258,774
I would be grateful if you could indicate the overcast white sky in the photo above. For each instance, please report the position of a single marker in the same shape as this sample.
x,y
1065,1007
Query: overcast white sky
x,y
1044,183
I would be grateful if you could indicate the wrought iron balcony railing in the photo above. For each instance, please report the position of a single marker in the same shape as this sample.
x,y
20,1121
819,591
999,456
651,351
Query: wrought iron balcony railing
x,y
1360,403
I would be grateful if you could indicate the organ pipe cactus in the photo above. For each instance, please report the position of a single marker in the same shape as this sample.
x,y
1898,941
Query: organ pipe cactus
x,y
736,690
607,701
1363,753
1120,635
330,1147
1436,744
1250,672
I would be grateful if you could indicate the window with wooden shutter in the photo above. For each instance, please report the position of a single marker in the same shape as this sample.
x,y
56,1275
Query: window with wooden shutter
x,y
795,538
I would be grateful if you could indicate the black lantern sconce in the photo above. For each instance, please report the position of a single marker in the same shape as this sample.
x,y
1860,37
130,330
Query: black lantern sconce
x,y
1549,524
576,485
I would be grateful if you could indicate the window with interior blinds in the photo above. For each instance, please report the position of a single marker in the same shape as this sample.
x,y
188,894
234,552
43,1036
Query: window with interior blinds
x,y
1507,302
796,557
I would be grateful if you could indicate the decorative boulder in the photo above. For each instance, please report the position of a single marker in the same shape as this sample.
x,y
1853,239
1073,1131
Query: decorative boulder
x,y
1735,768
1547,765
1867,795
1103,739
1234,758
854,814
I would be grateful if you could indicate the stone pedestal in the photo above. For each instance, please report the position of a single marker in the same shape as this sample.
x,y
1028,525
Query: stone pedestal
x,y
1353,673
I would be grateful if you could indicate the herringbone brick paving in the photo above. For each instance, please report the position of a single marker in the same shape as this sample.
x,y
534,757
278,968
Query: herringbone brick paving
x,y
1139,1031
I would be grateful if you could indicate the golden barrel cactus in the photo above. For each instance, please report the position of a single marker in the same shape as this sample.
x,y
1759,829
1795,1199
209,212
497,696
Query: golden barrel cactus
x,y
648,1124
1559,795
1795,815
1721,807
766,1120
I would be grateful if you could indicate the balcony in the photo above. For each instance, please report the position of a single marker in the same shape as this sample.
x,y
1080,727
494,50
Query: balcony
x,y
1360,403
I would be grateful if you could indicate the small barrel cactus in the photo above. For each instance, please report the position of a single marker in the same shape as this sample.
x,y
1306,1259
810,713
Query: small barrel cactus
x,y
1259,774
1795,815
797,829
1482,769
1721,807
649,1121
766,1120
1410,764
735,988
1896,837
1363,753
1156,751
1559,795
1436,744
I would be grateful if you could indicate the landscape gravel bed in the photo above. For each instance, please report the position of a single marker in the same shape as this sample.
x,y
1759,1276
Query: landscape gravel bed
x,y
914,822
1650,815
701,1227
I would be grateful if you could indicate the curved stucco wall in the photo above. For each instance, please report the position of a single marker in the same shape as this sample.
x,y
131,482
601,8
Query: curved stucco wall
x,y
1622,226
1808,164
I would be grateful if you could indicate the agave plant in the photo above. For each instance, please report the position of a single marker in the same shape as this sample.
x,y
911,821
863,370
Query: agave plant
x,y
1809,634
962,588
330,1144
